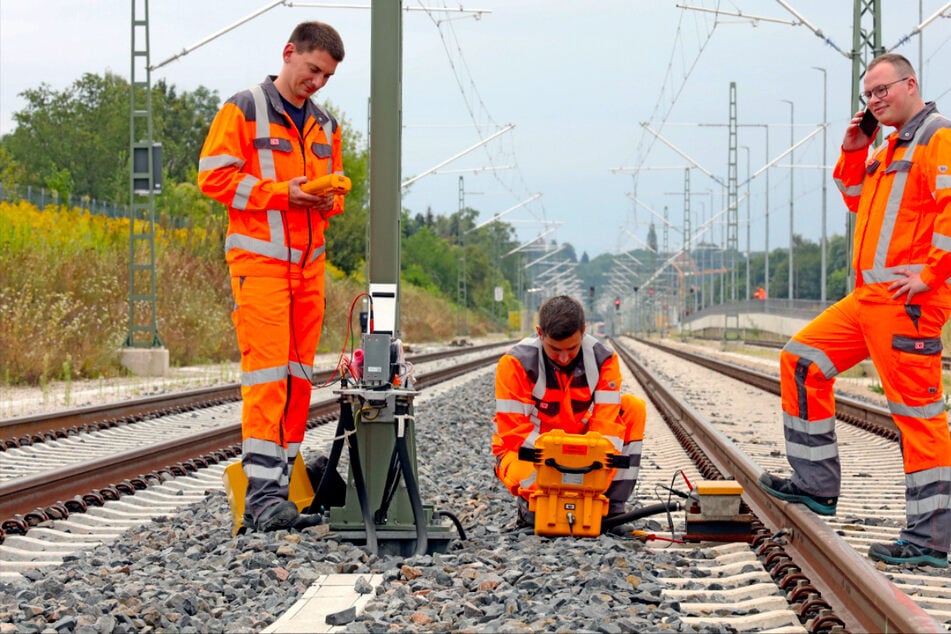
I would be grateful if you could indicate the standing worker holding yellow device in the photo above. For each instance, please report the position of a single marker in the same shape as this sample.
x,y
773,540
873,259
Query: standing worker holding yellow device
x,y
264,145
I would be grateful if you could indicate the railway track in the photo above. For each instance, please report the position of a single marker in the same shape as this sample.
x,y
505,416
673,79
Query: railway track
x,y
131,454
729,586
821,563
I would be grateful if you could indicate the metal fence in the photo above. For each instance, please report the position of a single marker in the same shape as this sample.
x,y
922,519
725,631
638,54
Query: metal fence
x,y
41,197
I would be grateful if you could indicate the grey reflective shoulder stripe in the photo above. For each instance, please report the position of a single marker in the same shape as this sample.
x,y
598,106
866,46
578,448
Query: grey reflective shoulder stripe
x,y
591,368
328,126
942,181
209,163
262,130
265,375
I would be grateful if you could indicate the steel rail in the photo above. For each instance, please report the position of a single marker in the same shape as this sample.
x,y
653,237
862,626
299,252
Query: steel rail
x,y
847,581
22,495
38,427
870,417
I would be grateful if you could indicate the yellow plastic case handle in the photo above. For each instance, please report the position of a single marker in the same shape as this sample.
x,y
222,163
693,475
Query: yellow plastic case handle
x,y
327,184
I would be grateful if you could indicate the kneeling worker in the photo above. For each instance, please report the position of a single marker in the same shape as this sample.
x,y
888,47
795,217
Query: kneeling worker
x,y
562,378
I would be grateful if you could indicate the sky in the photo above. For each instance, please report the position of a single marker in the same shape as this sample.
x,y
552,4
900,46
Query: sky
x,y
575,121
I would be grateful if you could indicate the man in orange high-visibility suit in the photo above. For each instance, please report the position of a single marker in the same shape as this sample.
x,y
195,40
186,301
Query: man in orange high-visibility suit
x,y
901,196
264,143
562,378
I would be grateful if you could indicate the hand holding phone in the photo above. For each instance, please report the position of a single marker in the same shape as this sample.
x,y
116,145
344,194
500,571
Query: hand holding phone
x,y
869,124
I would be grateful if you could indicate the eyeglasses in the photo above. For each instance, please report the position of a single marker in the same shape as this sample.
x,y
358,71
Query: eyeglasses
x,y
881,91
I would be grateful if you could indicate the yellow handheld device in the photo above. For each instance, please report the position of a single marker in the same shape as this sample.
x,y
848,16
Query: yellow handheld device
x,y
327,184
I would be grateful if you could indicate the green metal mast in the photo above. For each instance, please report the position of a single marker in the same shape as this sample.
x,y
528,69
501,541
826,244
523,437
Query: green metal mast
x,y
144,182
866,45
732,219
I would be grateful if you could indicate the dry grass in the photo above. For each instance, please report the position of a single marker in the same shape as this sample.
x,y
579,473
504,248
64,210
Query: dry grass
x,y
64,297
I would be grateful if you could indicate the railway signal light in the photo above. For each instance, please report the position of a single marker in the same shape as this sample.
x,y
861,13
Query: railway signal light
x,y
617,303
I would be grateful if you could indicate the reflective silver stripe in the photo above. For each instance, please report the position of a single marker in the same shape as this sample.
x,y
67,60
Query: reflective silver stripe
x,y
810,427
529,481
931,503
922,411
300,370
812,454
209,163
941,241
889,273
262,130
928,476
267,448
511,406
328,129
606,397
264,473
316,253
260,247
293,448
541,385
815,355
942,181
591,373
242,193
630,473
266,375
852,190
616,441
529,441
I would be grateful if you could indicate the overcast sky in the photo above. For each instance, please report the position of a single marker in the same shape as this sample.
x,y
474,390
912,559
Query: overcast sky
x,y
593,88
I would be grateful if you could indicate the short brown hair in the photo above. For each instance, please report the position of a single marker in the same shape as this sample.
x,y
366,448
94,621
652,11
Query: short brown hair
x,y
899,62
308,36
560,317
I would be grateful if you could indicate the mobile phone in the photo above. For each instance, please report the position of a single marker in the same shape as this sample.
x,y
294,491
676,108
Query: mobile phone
x,y
869,124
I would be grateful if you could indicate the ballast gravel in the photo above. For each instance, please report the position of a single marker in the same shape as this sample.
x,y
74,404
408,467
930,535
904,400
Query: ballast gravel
x,y
188,574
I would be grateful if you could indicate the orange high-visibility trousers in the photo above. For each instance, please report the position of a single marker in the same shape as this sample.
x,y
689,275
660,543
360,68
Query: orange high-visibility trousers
x,y
277,322
904,343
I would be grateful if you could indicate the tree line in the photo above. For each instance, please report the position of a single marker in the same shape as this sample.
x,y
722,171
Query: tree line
x,y
75,141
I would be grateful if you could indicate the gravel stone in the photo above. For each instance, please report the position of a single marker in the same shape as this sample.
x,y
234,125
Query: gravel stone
x,y
187,573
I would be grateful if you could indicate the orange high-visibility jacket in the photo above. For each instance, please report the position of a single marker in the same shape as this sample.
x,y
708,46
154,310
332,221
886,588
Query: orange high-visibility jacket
x,y
902,199
531,401
250,153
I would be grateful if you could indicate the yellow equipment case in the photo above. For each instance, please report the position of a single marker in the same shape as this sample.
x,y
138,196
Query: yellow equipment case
x,y
572,474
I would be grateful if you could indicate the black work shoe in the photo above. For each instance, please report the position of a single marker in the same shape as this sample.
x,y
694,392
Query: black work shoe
x,y
904,552
784,489
277,517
